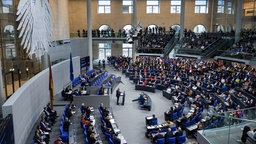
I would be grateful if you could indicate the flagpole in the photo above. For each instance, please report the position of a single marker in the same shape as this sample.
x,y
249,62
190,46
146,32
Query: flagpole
x,y
50,82
71,69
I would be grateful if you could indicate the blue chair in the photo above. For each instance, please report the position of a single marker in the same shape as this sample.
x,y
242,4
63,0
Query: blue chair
x,y
187,124
193,121
181,139
64,135
174,116
164,129
215,103
154,121
171,140
160,141
111,141
86,140
108,136
85,134
180,113
173,128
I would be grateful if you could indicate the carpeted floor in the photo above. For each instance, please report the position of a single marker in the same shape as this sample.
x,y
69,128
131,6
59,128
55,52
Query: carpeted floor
x,y
130,118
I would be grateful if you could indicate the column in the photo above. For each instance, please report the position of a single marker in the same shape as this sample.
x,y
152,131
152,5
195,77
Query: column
x,y
182,15
134,24
239,16
89,31
44,61
1,91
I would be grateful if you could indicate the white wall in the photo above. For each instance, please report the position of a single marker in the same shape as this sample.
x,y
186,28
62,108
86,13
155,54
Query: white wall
x,y
60,22
79,47
27,103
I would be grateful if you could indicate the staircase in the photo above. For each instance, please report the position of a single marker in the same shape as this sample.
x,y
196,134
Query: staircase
x,y
170,45
218,47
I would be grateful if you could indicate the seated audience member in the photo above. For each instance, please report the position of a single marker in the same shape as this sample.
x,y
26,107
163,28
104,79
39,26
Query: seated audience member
x,y
58,141
157,136
179,132
66,124
43,137
169,90
246,132
183,120
51,111
44,126
88,111
69,112
83,108
92,138
153,121
38,139
116,140
106,129
85,121
101,91
49,116
105,112
169,113
141,98
101,106
169,134
252,133
63,94
89,130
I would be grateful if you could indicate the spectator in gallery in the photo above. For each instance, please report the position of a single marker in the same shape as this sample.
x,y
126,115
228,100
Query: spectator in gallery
x,y
78,33
247,132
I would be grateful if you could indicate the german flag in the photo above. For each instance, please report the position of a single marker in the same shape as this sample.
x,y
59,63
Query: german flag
x,y
51,89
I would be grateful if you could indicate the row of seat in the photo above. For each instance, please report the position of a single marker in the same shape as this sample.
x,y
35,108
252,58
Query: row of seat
x,y
108,84
64,134
89,72
100,79
108,136
76,81
172,140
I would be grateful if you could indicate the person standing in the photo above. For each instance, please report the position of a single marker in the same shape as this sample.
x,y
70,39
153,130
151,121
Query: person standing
x,y
123,98
117,96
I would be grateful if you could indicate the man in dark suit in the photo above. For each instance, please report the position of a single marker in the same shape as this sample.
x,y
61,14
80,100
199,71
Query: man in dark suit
x,y
116,140
157,136
179,132
123,98
169,134
117,96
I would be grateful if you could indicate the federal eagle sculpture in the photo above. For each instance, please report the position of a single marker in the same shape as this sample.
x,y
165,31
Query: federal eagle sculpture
x,y
35,26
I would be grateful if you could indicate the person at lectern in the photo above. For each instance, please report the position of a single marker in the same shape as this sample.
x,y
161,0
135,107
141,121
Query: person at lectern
x,y
117,96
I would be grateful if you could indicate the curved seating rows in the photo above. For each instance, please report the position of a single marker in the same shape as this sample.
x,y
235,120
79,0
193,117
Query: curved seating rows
x,y
100,79
64,134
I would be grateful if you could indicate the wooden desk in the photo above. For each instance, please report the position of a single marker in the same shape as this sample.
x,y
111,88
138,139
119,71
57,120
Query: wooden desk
x,y
117,130
167,95
145,88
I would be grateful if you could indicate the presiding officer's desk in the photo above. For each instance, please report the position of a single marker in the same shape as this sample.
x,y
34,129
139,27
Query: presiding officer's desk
x,y
145,88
